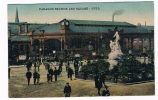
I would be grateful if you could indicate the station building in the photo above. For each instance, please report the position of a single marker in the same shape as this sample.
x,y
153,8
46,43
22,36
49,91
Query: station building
x,y
84,37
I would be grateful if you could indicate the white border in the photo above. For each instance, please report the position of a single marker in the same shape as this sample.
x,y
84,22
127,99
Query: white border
x,y
4,50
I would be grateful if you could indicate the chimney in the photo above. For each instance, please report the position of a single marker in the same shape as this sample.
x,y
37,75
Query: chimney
x,y
145,23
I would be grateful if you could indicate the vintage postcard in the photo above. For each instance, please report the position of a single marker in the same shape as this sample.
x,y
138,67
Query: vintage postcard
x,y
90,49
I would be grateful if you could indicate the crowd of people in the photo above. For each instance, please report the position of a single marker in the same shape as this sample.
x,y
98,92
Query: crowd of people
x,y
53,74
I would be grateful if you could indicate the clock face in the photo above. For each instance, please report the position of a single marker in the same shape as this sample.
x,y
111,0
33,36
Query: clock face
x,y
62,23
67,23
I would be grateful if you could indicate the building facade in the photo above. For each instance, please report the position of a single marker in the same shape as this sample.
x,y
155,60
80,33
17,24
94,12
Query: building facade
x,y
83,37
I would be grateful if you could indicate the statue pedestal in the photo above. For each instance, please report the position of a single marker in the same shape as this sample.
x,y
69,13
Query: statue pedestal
x,y
112,63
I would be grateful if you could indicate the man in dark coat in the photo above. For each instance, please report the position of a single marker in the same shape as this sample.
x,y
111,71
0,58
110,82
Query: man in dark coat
x,y
115,77
35,66
59,71
28,76
35,74
67,90
76,67
55,73
98,83
60,67
48,77
70,73
96,80
51,74
28,65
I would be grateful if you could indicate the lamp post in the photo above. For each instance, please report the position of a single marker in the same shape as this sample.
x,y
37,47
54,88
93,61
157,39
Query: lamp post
x,y
41,54
54,53
93,55
36,48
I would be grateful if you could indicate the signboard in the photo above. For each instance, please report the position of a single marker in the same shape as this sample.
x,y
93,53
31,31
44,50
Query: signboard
x,y
77,55
22,57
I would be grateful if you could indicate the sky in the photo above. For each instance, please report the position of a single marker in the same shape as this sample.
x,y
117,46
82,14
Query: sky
x,y
132,12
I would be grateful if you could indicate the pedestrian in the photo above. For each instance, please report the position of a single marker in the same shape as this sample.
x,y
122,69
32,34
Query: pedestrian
x,y
98,83
96,80
85,74
38,78
106,92
28,76
38,64
60,66
47,66
67,90
59,71
35,77
67,66
35,66
76,68
70,73
48,77
115,77
56,58
51,74
55,73
28,65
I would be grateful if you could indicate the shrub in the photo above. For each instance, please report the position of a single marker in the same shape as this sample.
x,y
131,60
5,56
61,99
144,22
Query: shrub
x,y
95,67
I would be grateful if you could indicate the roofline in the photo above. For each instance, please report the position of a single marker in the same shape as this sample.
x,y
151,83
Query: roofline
x,y
28,23
131,25
104,25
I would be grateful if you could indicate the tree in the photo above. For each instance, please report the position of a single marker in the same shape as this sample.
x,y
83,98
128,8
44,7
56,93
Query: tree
x,y
129,68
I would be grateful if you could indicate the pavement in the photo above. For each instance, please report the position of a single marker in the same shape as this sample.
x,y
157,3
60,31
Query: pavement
x,y
18,85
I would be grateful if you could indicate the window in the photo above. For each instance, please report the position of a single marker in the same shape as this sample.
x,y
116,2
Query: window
x,y
67,23
21,47
26,48
62,23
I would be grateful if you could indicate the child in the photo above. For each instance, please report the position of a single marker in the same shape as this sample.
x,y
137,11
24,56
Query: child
x,y
106,92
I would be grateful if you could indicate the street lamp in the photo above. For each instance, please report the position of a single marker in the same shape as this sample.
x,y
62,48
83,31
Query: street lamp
x,y
54,51
93,55
36,48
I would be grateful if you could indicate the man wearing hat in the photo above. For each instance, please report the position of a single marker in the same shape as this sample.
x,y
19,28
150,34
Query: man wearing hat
x,y
67,90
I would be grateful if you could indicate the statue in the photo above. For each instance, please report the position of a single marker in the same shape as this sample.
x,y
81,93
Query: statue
x,y
115,50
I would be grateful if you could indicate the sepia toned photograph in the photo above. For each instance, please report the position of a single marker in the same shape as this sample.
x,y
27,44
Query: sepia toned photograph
x,y
90,49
